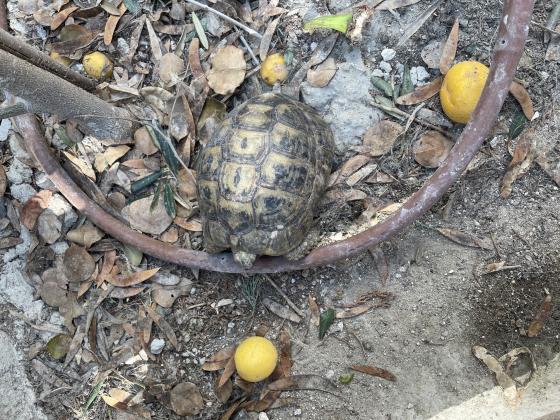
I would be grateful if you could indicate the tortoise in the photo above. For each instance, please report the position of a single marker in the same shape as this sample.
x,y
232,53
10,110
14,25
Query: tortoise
x,y
261,177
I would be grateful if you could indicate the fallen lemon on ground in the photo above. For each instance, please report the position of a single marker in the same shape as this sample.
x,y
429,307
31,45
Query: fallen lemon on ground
x,y
255,359
97,65
274,69
461,89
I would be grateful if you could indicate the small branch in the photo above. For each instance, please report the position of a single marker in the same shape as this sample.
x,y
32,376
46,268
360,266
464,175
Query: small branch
x,y
39,327
20,49
286,298
13,110
226,17
43,91
538,25
251,53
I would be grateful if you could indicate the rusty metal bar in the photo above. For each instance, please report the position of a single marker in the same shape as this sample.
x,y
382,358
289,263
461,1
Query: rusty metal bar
x,y
513,30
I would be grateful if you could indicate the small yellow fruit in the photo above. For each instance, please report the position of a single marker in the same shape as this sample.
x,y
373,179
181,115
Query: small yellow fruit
x,y
65,61
461,89
98,65
274,69
255,359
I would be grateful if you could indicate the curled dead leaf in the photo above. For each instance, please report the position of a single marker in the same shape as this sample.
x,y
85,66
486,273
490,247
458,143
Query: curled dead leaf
x,y
126,280
422,93
170,68
374,371
432,149
322,74
541,317
280,310
449,49
86,235
219,359
109,156
228,70
379,139
34,207
523,156
522,96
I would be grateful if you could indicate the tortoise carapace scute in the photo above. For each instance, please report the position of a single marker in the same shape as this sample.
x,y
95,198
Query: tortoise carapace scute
x,y
262,175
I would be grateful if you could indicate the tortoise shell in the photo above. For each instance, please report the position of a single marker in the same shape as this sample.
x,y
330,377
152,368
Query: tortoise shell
x,y
262,174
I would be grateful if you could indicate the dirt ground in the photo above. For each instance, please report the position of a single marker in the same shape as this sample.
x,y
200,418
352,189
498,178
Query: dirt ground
x,y
442,305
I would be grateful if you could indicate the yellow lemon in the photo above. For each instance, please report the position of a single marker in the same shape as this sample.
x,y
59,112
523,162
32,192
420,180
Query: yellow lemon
x,y
98,65
65,61
255,359
274,69
461,89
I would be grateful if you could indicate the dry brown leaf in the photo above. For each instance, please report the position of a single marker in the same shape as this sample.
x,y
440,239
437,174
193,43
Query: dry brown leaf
x,y
267,38
109,156
361,174
449,49
229,370
280,310
354,311
422,93
503,379
83,166
522,96
343,195
34,207
374,371
322,74
223,392
86,235
381,264
541,317
232,409
154,42
170,68
523,156
395,4
185,399
126,292
143,142
78,264
170,236
219,359
109,259
111,24
61,17
465,239
432,149
347,169
164,326
72,37
379,139
315,312
190,225
126,280
141,217
228,70
135,38
285,360
303,382
3,181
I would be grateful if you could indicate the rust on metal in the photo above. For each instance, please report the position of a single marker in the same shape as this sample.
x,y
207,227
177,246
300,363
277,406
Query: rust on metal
x,y
513,30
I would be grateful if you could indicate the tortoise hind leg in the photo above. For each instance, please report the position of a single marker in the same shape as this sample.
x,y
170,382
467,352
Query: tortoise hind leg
x,y
306,246
244,259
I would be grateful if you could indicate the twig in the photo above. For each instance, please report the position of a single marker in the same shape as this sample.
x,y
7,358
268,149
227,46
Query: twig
x,y
251,53
13,110
539,25
40,327
359,342
552,21
286,298
17,47
226,17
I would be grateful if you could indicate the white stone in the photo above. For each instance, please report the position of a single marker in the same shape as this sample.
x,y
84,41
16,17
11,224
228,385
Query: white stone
x,y
5,126
22,192
157,345
388,54
418,75
386,67
19,172
378,73
297,412
63,210
59,248
263,416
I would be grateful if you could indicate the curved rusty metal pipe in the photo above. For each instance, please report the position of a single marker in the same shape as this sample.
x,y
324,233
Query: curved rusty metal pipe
x,y
513,30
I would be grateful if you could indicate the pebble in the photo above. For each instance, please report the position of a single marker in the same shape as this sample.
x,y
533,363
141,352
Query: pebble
x,y
17,146
59,248
157,345
62,208
19,173
43,182
22,192
166,279
263,416
378,73
297,412
388,54
418,75
49,227
122,47
330,374
386,67
5,126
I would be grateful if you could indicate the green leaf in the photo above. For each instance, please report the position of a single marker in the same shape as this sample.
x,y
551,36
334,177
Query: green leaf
x,y
166,148
168,200
518,123
337,22
407,85
387,106
155,200
346,379
382,85
133,254
58,346
200,31
93,395
142,183
325,321
133,6
61,132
